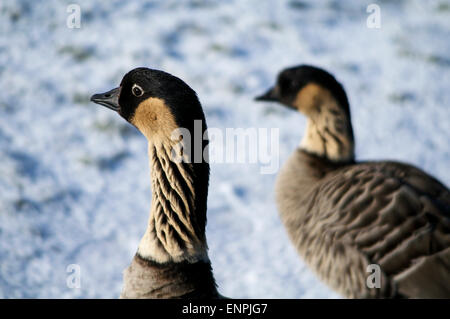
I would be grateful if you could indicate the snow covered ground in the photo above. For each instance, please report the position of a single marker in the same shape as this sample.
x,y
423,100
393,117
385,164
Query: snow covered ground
x,y
74,177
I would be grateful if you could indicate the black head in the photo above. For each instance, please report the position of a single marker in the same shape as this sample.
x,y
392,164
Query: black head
x,y
149,97
292,80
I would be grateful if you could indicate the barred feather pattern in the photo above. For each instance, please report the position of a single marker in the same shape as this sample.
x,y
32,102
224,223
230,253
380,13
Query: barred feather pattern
x,y
344,217
173,221
329,134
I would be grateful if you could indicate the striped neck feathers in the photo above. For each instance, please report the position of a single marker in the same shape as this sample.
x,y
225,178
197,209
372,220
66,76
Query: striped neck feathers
x,y
176,229
329,131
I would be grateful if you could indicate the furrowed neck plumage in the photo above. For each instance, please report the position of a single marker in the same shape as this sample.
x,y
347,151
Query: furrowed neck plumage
x,y
329,131
176,229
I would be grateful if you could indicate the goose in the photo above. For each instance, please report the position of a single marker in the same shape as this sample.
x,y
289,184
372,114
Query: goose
x,y
172,259
375,229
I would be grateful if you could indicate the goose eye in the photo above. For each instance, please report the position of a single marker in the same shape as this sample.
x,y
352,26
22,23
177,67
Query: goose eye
x,y
137,90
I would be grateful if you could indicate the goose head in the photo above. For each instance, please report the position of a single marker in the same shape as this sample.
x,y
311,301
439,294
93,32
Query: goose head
x,y
321,98
306,88
153,101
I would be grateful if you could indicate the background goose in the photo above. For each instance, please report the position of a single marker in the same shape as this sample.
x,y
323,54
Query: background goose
x,y
343,215
172,259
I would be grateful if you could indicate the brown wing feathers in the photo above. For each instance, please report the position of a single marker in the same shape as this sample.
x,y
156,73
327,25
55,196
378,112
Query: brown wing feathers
x,y
387,219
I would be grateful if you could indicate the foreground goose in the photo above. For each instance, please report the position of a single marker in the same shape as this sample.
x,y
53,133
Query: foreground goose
x,y
172,259
343,216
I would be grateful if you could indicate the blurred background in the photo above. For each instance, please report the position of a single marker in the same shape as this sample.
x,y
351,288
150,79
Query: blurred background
x,y
74,177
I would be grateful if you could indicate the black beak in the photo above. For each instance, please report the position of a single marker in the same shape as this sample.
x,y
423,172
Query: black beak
x,y
271,95
109,99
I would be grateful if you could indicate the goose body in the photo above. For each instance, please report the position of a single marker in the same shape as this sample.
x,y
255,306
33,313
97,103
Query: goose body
x,y
172,259
344,216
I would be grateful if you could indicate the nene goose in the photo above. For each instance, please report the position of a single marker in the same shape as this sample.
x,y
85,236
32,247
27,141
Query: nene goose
x,y
172,259
343,216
